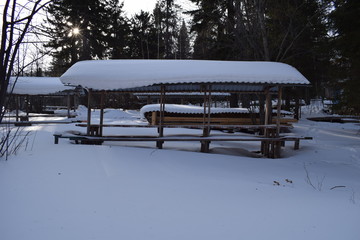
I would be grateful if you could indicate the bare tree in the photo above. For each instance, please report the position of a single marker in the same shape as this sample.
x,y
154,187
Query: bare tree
x,y
16,22
17,17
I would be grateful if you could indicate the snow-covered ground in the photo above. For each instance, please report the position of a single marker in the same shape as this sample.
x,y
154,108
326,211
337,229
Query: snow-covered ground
x,y
135,191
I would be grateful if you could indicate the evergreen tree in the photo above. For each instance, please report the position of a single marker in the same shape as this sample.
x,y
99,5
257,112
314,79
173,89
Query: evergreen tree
x,y
76,31
143,42
298,35
207,24
183,45
165,19
118,30
345,19
293,32
170,27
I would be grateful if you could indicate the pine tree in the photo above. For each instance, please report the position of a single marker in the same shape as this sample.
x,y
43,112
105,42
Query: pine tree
x,y
165,19
144,41
170,27
117,31
76,31
345,19
208,25
183,44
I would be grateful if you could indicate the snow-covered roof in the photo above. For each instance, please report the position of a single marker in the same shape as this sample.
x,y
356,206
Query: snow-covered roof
x,y
37,85
182,94
122,74
191,109
188,109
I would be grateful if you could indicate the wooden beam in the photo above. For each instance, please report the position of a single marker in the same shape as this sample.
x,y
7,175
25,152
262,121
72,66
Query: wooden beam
x,y
268,111
209,105
159,144
68,105
17,102
89,113
162,110
265,146
74,102
102,104
27,105
278,111
277,147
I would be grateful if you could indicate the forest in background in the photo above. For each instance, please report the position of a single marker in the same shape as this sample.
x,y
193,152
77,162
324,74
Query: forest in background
x,y
318,37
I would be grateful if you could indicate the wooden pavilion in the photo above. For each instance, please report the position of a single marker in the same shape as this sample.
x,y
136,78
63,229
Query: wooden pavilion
x,y
39,95
100,77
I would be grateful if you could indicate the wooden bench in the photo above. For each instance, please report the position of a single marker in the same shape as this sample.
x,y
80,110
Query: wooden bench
x,y
270,144
69,136
30,123
205,141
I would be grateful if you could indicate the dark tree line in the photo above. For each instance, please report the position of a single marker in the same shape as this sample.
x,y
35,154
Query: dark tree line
x,y
345,42
99,29
318,37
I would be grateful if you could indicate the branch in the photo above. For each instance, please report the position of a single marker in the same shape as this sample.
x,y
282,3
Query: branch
x,y
23,33
33,11
3,34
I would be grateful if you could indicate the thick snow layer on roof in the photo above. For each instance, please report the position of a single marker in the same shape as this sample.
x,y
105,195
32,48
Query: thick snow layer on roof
x,y
188,109
182,94
120,74
37,85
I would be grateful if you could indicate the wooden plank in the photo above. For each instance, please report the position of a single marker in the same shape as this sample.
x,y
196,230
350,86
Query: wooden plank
x,y
28,123
102,105
153,118
196,126
199,120
278,111
89,112
205,141
214,120
177,138
285,120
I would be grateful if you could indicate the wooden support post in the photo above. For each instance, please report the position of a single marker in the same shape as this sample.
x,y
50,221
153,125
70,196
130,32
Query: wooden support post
x,y
102,104
265,146
74,102
154,118
205,145
17,102
203,88
159,144
297,144
278,111
278,115
68,105
27,105
207,110
162,111
268,110
89,113
297,111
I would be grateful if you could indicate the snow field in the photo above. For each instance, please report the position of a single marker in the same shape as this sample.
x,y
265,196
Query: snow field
x,y
116,191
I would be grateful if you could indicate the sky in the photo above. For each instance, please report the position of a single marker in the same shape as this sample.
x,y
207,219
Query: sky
x,y
134,6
